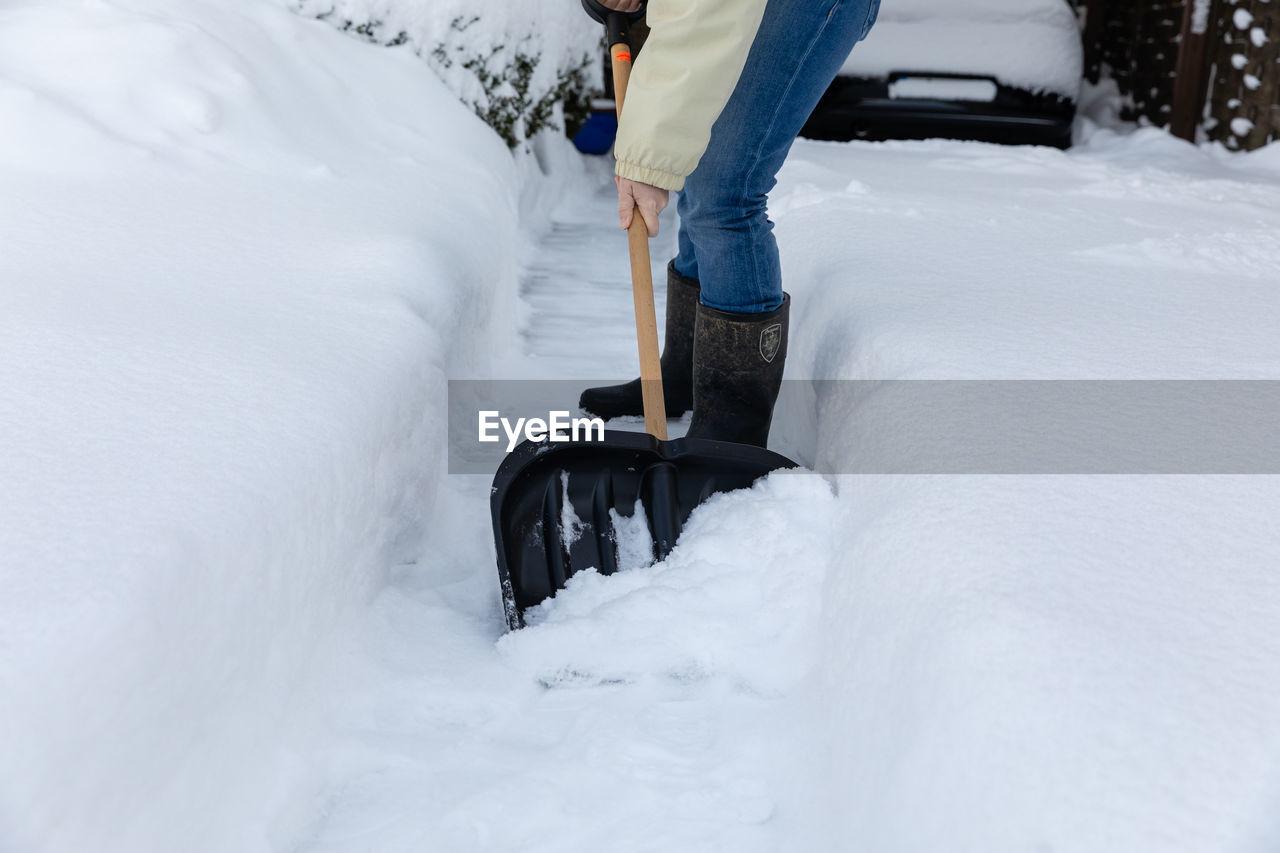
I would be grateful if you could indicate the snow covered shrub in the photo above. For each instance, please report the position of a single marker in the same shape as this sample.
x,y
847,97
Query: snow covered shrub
x,y
521,66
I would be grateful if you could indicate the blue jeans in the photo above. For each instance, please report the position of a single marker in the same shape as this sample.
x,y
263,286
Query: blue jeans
x,y
726,239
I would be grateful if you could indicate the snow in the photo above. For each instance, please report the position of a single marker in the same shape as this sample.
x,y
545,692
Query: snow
x,y
943,88
474,46
1027,44
1066,662
1241,126
910,663
231,289
246,609
1200,16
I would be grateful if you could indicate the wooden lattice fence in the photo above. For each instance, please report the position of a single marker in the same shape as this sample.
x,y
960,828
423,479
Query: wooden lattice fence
x,y
1207,67
1244,81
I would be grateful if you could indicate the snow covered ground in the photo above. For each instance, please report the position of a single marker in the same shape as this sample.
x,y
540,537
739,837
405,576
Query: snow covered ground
x,y
234,281
1068,663
888,662
245,609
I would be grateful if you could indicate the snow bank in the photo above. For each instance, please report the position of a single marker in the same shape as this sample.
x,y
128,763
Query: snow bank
x,y
1072,662
1067,663
1029,44
242,251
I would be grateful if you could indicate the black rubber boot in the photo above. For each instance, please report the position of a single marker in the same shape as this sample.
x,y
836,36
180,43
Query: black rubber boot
x,y
737,372
612,401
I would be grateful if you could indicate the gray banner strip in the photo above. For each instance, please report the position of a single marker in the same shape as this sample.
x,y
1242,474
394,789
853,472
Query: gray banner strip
x,y
957,426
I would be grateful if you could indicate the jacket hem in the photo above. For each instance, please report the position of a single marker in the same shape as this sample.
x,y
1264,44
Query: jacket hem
x,y
649,175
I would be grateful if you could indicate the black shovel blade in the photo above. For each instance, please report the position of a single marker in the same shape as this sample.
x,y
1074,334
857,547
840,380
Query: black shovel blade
x,y
554,504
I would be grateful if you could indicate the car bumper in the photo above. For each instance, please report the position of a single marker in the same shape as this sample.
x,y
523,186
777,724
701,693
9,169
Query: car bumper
x,y
856,108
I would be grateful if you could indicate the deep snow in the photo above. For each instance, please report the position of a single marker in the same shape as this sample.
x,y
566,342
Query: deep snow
x,y
1076,663
245,609
234,281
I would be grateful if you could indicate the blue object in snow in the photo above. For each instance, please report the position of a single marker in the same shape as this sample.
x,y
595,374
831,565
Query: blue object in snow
x,y
597,135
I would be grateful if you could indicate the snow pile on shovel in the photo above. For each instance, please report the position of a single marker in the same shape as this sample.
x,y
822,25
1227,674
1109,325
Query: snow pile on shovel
x,y
736,598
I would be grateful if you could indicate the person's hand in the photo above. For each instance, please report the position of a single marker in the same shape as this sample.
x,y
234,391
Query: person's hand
x,y
633,194
622,5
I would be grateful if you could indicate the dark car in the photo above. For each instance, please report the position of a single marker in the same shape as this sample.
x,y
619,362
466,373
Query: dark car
x,y
995,70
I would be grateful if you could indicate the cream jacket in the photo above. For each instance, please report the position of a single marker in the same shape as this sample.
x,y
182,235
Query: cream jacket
x,y
681,82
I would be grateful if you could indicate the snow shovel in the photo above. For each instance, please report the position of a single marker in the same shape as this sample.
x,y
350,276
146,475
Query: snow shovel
x,y
561,508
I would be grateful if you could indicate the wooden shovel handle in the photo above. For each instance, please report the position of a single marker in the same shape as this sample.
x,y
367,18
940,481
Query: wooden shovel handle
x,y
655,409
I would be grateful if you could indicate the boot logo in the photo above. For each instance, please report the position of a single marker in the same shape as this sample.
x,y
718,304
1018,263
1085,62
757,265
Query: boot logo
x,y
770,340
